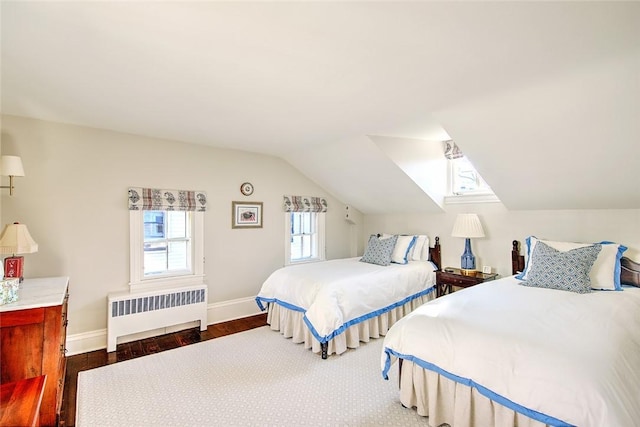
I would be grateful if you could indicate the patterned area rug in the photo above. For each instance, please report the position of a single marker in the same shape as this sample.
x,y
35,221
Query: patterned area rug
x,y
253,378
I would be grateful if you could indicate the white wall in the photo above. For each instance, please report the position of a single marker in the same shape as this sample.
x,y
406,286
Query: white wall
x,y
502,227
74,201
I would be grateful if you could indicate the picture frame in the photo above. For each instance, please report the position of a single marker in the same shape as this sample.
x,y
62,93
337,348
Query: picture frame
x,y
246,214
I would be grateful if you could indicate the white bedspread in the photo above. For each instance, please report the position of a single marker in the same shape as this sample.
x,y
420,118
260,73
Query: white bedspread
x,y
339,293
558,357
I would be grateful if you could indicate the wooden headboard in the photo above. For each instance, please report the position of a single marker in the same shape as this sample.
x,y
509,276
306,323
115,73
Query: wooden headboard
x,y
629,270
435,255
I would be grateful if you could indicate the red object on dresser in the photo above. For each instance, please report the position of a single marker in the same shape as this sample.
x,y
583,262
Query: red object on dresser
x,y
13,267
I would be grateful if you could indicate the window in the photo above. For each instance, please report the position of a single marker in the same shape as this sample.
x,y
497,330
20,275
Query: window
x,y
466,185
304,237
465,179
166,237
167,243
166,248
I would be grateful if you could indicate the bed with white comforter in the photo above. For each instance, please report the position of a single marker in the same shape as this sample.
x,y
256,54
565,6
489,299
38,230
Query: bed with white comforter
x,y
501,353
339,303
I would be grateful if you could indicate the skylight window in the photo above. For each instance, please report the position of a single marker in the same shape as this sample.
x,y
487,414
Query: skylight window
x,y
465,184
465,179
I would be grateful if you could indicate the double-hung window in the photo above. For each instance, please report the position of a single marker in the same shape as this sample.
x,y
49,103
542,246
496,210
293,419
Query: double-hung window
x,y
167,243
305,229
305,236
166,237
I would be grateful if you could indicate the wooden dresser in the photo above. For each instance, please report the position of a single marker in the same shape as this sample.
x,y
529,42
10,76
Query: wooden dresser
x,y
33,332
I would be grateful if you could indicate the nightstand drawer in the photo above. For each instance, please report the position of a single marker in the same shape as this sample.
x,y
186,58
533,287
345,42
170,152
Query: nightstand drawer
x,y
445,280
457,280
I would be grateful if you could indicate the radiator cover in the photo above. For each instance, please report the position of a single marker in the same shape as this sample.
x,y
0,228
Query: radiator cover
x,y
130,313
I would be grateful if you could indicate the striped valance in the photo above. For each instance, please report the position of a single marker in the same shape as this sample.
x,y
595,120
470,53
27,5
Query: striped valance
x,y
154,199
304,204
451,150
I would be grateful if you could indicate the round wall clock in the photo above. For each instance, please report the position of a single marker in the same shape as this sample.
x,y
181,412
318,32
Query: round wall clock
x,y
246,189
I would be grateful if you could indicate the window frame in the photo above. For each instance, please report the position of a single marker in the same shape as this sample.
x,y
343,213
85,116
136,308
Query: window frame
x,y
320,225
195,276
481,195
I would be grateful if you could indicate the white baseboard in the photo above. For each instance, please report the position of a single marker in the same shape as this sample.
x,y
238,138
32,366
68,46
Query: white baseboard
x,y
216,313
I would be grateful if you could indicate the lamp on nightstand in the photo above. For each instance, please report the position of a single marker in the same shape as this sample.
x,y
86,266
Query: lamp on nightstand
x,y
15,239
467,226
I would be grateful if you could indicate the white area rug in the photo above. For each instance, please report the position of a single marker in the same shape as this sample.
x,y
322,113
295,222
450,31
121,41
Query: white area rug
x,y
253,378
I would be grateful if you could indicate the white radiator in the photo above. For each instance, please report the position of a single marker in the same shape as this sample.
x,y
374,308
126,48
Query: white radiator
x,y
130,313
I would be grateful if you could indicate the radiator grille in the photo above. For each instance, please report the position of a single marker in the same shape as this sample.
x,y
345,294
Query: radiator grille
x,y
157,302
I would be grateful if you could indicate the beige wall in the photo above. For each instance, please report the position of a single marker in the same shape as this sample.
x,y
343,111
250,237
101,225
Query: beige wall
x,y
74,200
502,227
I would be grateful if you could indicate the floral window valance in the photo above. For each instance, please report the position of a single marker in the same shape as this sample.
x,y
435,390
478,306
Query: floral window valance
x,y
304,204
154,199
451,150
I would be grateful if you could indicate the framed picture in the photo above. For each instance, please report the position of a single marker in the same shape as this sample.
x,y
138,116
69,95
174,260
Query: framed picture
x,y
246,214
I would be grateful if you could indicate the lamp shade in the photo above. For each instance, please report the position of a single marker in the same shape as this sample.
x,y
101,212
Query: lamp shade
x,y
11,166
15,239
467,226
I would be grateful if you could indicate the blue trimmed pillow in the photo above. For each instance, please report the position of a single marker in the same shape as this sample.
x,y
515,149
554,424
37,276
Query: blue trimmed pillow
x,y
379,250
605,274
404,244
566,271
420,249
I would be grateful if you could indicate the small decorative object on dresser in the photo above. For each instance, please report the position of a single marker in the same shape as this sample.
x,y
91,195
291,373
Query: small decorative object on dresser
x,y
15,239
450,277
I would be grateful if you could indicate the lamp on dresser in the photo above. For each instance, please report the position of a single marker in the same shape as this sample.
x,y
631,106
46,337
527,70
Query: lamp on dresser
x,y
467,226
15,239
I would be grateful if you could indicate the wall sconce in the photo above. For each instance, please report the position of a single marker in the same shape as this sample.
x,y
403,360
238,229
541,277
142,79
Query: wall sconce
x,y
11,166
15,239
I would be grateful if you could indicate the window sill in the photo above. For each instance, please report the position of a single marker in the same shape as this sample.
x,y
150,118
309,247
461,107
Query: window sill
x,y
306,261
166,282
471,198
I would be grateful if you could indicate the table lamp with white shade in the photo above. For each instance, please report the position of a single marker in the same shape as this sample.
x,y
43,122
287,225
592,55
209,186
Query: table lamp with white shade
x,y
15,239
467,226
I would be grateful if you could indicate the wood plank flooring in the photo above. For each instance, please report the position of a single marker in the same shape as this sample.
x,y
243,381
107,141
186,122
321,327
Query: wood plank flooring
x,y
131,350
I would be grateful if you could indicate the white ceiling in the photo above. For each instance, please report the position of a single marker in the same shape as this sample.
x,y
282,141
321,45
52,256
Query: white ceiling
x,y
544,97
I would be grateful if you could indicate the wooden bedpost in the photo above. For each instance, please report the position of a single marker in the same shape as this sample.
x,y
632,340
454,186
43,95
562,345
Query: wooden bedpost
x,y
435,255
517,260
324,348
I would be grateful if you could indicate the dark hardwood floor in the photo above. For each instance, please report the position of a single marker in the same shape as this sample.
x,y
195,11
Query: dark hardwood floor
x,y
131,350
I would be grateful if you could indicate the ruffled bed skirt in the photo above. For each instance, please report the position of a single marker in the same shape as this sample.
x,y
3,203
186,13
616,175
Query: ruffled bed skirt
x,y
448,402
291,325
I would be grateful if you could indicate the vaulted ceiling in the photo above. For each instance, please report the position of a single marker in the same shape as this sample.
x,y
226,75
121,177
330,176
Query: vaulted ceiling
x,y
544,97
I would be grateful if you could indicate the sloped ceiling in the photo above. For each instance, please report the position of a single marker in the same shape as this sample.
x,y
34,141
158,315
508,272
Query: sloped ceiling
x,y
544,97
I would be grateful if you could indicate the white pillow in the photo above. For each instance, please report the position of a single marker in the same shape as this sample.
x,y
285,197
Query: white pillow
x,y
605,273
401,250
420,250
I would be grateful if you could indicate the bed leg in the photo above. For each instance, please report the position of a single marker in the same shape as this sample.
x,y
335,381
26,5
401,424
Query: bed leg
x,y
324,348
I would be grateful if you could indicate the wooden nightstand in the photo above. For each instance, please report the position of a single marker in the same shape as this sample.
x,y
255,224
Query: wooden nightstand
x,y
445,280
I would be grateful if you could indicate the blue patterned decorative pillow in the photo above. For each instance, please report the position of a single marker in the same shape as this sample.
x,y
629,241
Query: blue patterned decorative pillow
x,y
379,250
566,271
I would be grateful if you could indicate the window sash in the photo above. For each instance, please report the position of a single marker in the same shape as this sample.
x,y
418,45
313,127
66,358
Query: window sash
x,y
194,275
304,240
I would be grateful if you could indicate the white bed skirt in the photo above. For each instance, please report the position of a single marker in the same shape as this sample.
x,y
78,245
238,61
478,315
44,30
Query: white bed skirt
x,y
291,325
448,402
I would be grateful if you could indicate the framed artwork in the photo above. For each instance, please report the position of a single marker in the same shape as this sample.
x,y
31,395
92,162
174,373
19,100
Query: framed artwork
x,y
246,214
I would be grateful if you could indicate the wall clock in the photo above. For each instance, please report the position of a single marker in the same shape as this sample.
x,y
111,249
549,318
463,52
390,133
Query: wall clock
x,y
246,189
